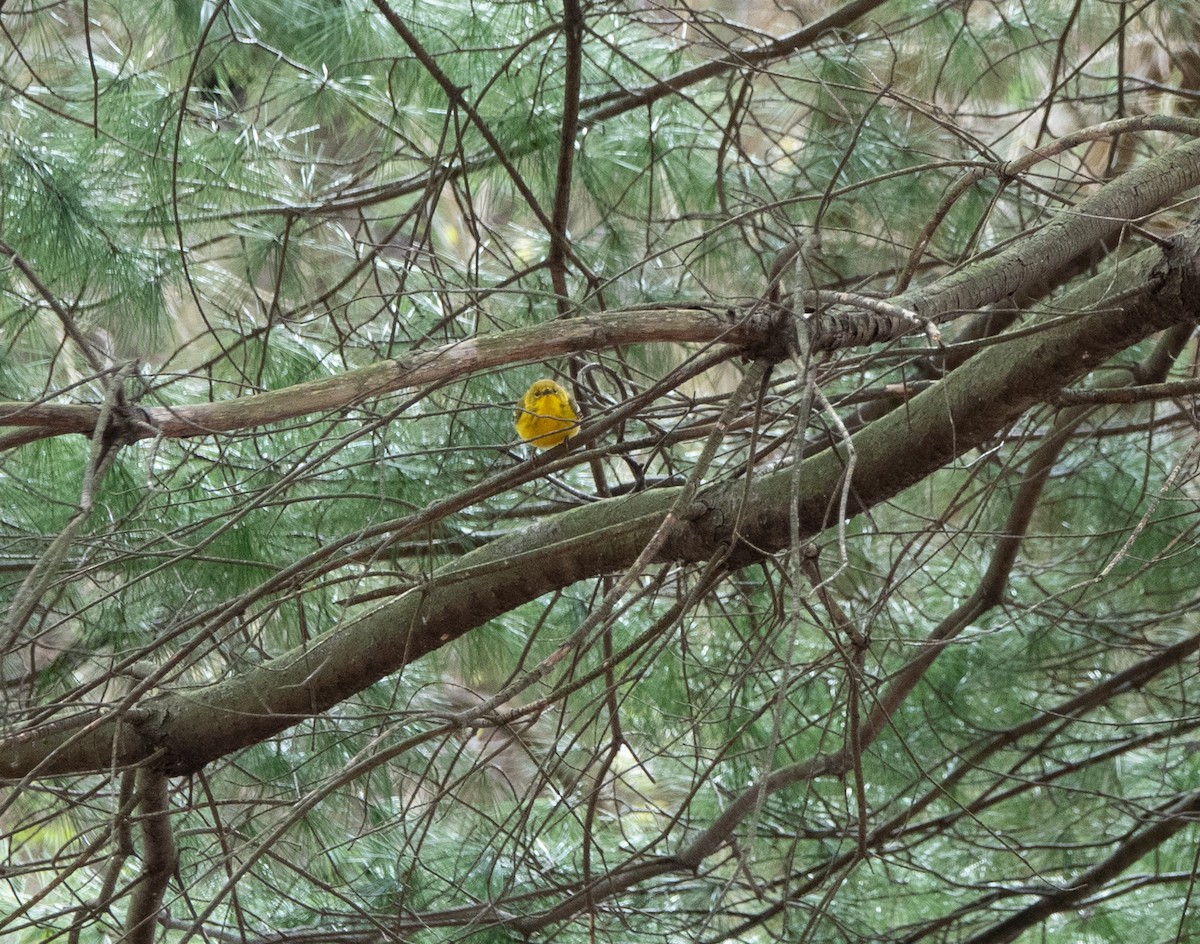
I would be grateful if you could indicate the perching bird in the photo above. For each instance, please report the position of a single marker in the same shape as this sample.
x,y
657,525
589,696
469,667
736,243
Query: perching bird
x,y
546,415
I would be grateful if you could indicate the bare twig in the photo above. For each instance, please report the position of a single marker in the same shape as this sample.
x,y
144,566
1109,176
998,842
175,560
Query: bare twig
x,y
41,575
64,316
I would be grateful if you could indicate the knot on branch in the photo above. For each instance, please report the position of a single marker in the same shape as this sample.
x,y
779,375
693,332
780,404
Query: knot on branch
x,y
874,320
784,336
126,424
1179,268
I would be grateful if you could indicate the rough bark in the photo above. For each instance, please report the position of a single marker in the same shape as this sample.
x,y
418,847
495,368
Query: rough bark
x,y
956,415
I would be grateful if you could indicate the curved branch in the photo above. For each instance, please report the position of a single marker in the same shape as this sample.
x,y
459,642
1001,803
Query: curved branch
x,y
1025,263
1038,256
745,523
436,366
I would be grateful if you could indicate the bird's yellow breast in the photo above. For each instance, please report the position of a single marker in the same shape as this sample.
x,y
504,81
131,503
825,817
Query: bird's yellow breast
x,y
546,415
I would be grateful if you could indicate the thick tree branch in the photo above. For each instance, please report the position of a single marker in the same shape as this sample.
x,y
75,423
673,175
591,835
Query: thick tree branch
x,y
424,368
1036,258
940,424
158,857
1030,261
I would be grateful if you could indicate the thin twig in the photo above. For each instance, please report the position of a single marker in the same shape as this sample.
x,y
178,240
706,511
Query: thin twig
x,y
56,306
40,576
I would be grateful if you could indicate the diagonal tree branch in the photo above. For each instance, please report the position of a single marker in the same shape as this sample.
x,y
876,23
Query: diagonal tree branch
x,y
941,423
1162,826
1029,262
618,103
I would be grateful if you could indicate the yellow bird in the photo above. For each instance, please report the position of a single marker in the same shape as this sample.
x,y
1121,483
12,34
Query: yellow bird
x,y
546,415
